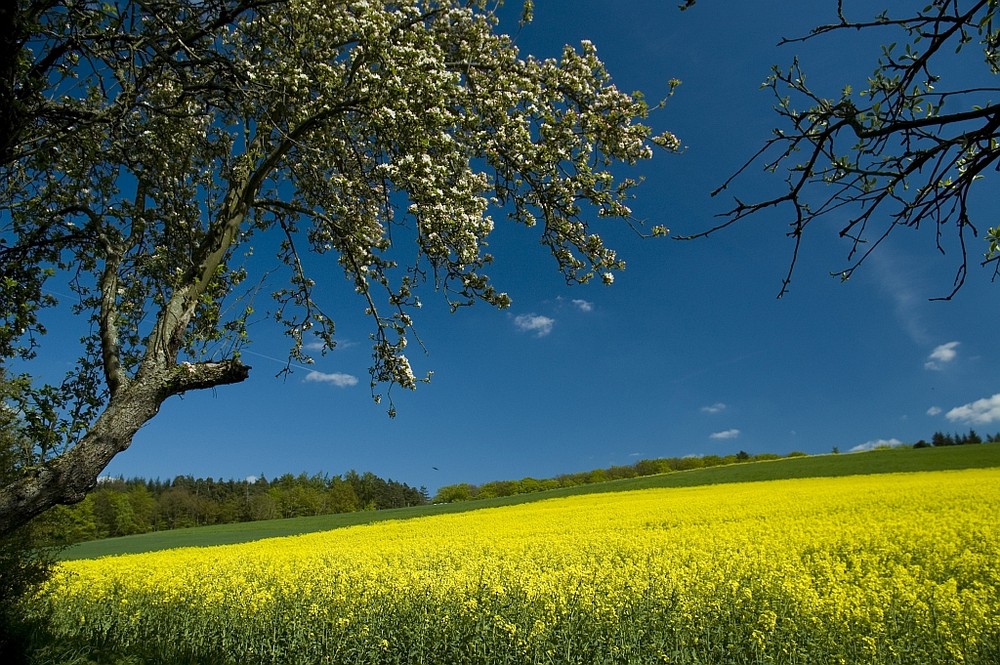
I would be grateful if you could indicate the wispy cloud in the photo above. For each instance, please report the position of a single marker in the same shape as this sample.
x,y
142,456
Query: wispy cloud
x,y
340,344
981,412
942,355
583,305
718,407
534,323
878,443
338,379
934,411
727,434
896,279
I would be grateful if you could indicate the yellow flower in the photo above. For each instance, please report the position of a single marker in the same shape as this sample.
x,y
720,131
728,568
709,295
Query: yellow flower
x,y
850,567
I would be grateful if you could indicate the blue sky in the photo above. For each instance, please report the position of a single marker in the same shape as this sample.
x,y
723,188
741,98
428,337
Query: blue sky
x,y
688,353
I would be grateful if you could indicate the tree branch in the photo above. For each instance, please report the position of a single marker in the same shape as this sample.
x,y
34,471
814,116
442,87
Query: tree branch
x,y
68,478
902,126
108,326
908,163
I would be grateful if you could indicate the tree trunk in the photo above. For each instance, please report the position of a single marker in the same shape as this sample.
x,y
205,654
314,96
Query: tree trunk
x,y
67,478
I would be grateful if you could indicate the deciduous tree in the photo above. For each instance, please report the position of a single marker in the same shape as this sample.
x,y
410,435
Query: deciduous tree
x,y
150,145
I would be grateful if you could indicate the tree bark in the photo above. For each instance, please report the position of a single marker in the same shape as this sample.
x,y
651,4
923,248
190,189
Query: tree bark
x,y
67,478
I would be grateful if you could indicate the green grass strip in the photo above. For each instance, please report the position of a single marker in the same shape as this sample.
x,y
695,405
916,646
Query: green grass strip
x,y
898,460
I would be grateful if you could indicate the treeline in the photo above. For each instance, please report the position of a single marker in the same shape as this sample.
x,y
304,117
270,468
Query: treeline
x,y
120,507
943,439
467,492
499,488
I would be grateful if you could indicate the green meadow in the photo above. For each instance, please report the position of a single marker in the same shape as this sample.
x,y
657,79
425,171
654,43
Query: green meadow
x,y
895,460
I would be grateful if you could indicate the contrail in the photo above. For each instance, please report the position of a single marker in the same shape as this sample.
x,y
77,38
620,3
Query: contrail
x,y
279,360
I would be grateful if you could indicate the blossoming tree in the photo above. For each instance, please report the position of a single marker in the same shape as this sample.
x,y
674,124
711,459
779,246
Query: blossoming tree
x,y
148,145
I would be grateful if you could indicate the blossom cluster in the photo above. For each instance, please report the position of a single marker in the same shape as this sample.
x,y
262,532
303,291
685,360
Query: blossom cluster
x,y
422,121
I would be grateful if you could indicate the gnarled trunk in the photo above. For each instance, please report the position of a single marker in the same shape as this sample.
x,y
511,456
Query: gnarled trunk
x,y
67,478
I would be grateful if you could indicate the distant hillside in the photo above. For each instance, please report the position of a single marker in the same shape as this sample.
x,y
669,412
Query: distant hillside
x,y
895,460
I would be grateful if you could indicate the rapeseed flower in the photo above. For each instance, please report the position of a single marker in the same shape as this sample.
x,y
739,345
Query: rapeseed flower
x,y
866,569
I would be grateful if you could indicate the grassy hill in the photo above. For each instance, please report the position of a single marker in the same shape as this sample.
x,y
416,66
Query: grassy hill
x,y
880,461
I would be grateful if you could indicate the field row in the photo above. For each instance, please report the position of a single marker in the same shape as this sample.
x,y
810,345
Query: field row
x,y
867,569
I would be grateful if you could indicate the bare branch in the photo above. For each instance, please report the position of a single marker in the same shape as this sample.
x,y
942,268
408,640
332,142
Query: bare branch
x,y
904,162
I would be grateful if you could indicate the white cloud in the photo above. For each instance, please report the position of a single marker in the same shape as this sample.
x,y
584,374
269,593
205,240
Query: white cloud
x,y
981,412
878,443
336,378
727,434
944,353
583,305
718,407
536,323
934,410
340,344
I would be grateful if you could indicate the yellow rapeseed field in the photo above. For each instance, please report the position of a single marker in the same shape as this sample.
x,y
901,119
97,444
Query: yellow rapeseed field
x,y
867,569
